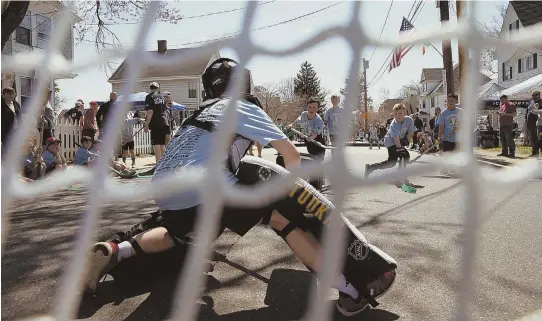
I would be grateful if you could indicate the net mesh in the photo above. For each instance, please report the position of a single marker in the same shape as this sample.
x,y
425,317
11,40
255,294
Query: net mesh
x,y
102,188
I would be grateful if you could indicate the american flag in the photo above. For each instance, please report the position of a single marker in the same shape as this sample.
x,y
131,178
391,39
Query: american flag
x,y
400,52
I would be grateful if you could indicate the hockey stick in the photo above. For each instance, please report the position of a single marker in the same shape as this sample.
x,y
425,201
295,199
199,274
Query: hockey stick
x,y
317,143
119,174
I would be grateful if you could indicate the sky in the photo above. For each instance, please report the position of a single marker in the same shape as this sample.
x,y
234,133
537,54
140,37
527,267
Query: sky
x,y
331,58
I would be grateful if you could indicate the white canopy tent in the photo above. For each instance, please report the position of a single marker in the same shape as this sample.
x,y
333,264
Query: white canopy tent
x,y
522,90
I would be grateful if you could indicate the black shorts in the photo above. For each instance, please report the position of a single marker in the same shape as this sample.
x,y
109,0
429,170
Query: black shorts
x,y
179,223
167,130
128,146
447,146
314,149
158,136
334,139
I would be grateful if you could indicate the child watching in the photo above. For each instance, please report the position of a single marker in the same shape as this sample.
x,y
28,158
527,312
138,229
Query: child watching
x,y
127,137
52,157
33,165
398,136
83,156
115,165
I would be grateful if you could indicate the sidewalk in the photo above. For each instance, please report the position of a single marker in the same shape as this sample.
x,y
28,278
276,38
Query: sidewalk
x,y
490,156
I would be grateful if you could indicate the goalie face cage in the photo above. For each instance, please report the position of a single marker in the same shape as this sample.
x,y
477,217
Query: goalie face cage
x,y
102,188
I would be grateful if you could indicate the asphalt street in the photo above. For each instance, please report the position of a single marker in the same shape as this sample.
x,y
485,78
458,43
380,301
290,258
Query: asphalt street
x,y
257,277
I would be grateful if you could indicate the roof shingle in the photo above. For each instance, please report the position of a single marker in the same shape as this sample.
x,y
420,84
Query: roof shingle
x,y
195,69
529,12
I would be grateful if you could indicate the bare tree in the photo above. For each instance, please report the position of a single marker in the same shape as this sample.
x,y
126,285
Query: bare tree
x,y
492,29
413,89
280,100
385,92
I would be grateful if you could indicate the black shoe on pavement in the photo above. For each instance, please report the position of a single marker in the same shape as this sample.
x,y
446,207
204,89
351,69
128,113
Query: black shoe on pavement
x,y
503,155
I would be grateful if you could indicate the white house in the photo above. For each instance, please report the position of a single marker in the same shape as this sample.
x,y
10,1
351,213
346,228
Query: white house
x,y
432,93
517,65
184,82
33,34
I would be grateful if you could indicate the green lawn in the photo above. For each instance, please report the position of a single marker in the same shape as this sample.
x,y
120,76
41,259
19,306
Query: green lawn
x,y
520,150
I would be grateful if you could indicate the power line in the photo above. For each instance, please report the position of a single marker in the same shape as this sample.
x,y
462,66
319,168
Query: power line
x,y
381,31
417,11
231,35
183,18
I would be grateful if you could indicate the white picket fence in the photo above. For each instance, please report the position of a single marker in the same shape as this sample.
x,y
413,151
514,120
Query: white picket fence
x,y
69,132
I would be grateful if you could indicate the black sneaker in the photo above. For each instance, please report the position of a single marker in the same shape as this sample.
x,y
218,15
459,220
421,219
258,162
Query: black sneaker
x,y
503,155
350,307
511,156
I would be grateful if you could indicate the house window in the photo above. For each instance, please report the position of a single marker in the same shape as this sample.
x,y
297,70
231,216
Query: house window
x,y
432,102
513,26
192,90
43,27
26,90
423,104
23,33
425,87
507,72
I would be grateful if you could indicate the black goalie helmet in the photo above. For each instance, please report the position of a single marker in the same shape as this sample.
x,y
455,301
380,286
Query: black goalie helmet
x,y
218,76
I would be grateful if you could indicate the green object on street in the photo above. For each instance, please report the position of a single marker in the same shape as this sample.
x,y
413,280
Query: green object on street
x,y
408,189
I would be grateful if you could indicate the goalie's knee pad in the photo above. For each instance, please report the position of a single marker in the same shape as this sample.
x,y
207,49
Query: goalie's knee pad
x,y
306,208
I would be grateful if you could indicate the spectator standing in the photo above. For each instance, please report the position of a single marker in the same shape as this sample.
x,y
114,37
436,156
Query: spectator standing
x,y
103,112
11,110
156,122
170,122
89,123
46,120
531,119
506,114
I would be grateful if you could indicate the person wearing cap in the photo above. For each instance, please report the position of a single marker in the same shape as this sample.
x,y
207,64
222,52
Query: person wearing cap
x,y
534,125
156,121
89,121
52,157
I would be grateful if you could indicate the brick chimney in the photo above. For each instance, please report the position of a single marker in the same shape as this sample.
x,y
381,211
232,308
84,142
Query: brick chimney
x,y
162,46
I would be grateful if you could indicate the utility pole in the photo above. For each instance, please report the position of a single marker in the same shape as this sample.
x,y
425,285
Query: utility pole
x,y
463,54
447,48
366,116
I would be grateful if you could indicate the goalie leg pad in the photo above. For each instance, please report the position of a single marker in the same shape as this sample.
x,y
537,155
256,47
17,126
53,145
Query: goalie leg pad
x,y
309,210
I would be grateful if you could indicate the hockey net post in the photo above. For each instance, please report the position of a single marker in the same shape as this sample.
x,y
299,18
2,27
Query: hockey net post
x,y
103,188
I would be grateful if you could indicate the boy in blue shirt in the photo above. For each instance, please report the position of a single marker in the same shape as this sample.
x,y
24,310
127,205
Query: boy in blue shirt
x,y
52,157
83,156
398,136
448,124
312,126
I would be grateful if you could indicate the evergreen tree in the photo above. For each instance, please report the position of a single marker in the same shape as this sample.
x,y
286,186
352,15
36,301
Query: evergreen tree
x,y
307,84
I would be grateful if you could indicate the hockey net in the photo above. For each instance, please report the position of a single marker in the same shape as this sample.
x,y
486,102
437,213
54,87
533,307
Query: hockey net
x,y
102,188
